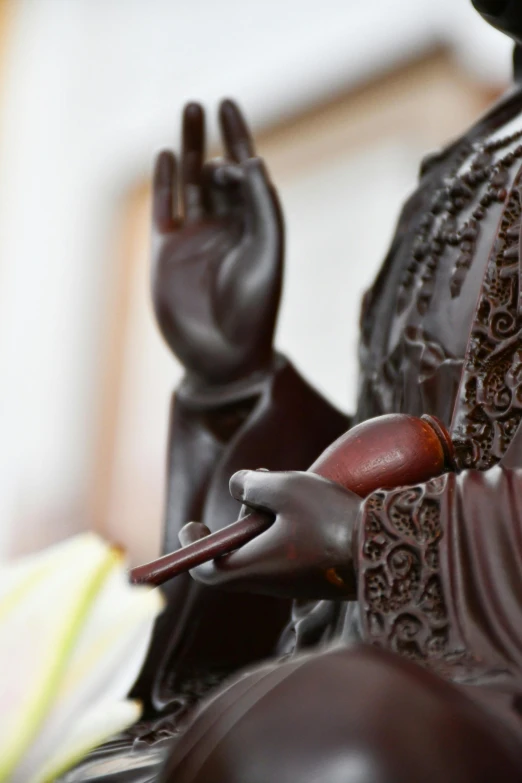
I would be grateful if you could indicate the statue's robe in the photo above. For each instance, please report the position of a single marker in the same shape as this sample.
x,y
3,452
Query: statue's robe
x,y
440,565
441,329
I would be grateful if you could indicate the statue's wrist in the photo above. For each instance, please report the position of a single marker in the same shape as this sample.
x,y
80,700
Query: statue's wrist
x,y
198,394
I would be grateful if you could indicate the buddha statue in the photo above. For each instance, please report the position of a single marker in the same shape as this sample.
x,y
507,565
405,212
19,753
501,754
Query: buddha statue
x,y
374,639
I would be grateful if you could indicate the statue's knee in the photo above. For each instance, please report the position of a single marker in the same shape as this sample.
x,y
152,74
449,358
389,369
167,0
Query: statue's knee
x,y
356,715
412,725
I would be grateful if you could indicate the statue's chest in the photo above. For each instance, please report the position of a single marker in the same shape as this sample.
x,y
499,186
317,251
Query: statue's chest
x,y
442,327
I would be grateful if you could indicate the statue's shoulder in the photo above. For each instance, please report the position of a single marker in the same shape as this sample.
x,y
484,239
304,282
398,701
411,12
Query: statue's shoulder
x,y
456,250
452,184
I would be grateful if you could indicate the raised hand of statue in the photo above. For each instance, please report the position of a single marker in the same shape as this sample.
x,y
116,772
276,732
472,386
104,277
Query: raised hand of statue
x,y
307,551
217,253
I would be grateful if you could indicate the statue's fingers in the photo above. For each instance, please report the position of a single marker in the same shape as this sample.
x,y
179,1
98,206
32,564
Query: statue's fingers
x,y
220,173
191,532
266,490
225,570
164,188
237,138
193,153
254,566
221,186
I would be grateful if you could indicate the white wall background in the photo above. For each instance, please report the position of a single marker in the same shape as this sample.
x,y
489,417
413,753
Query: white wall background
x,y
92,89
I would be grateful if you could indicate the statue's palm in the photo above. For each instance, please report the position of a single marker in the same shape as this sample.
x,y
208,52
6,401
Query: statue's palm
x,y
217,268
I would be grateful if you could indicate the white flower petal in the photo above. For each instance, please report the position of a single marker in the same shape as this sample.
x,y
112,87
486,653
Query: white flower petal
x,y
114,640
90,730
41,621
18,577
104,665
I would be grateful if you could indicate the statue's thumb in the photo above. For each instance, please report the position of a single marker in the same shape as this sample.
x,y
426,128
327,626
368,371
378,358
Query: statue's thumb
x,y
259,197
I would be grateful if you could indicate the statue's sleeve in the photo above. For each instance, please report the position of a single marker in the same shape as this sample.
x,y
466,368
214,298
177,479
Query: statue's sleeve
x,y
279,422
440,573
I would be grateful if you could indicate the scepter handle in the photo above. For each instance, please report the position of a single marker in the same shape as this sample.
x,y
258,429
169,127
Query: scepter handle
x,y
222,542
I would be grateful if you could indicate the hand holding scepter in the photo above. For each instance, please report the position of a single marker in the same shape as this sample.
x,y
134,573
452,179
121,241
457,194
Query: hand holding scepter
x,y
385,452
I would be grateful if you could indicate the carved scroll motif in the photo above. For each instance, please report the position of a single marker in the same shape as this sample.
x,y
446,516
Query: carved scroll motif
x,y
400,588
489,408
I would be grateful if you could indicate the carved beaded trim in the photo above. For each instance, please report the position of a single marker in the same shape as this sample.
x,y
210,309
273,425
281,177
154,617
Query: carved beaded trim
x,y
489,408
400,589
439,229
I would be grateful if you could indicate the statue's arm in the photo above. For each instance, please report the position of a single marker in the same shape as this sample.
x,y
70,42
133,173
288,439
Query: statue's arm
x,y
217,265
280,422
218,247
440,572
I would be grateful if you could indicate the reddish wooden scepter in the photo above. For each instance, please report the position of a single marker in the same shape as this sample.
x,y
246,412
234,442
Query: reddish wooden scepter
x,y
385,452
